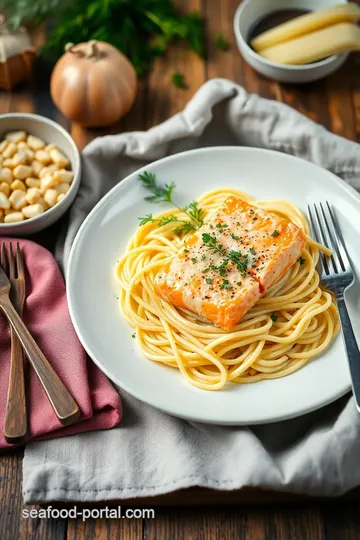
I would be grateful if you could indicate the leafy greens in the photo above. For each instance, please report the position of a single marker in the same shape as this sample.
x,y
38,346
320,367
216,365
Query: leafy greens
x,y
141,29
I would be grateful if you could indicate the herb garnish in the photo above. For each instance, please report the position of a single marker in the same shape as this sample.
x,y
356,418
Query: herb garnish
x,y
141,29
220,42
209,239
159,193
275,233
194,259
178,80
226,285
162,221
301,260
222,268
234,236
165,194
241,261
273,317
252,251
209,281
239,283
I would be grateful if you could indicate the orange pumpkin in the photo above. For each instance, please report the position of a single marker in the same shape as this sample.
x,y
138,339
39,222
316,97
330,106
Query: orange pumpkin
x,y
16,55
93,84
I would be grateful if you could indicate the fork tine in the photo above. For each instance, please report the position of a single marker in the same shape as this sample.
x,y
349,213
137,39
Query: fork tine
x,y
330,234
326,240
316,228
19,261
12,273
3,258
313,226
334,229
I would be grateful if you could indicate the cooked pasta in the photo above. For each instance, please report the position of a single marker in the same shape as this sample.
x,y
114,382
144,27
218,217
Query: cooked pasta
x,y
292,323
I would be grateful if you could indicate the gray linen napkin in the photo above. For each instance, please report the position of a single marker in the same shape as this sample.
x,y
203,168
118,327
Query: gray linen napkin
x,y
151,452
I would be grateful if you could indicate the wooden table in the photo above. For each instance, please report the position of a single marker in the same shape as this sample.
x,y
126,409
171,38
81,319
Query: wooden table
x,y
334,103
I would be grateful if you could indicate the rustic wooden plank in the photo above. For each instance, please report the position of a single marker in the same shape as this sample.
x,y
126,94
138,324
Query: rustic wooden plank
x,y
230,64
204,524
341,523
225,64
245,523
340,99
355,90
10,494
302,522
39,529
282,522
33,96
105,529
5,100
12,524
164,99
22,101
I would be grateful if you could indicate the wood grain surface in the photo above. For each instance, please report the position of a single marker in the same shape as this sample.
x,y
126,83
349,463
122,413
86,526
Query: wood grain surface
x,y
195,514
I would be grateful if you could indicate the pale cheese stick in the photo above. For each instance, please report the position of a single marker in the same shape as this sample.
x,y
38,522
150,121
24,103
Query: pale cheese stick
x,y
305,24
335,39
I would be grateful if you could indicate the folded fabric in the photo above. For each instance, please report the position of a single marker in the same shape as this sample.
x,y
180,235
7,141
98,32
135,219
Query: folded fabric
x,y
47,317
151,452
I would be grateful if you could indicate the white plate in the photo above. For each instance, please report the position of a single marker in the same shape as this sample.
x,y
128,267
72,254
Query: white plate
x,y
102,239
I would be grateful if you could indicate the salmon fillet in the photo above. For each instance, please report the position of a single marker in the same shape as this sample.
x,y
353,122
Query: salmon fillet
x,y
228,264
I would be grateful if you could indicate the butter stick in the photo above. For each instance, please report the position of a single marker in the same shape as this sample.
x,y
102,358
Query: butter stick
x,y
335,39
306,24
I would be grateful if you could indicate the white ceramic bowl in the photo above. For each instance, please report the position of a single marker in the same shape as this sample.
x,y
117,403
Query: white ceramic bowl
x,y
250,12
51,132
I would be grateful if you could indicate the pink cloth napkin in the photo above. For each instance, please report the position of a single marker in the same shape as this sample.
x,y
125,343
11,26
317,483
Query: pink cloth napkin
x,y
47,317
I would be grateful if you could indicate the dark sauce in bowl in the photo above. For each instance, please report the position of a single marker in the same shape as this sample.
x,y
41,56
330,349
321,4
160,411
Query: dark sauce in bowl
x,y
273,19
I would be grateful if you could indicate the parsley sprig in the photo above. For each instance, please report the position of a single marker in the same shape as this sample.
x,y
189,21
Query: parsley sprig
x,y
240,261
221,42
165,194
159,193
178,80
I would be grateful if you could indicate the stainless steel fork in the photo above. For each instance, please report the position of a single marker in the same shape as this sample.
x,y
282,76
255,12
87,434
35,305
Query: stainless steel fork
x,y
337,276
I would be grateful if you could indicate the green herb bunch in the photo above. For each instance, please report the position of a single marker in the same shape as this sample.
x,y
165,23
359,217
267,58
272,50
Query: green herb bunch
x,y
159,193
141,29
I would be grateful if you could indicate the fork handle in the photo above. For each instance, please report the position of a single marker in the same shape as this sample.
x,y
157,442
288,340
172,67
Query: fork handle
x,y
63,403
352,349
15,429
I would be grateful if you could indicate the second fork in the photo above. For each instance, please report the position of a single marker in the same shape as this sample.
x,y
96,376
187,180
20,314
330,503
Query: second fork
x,y
15,429
64,405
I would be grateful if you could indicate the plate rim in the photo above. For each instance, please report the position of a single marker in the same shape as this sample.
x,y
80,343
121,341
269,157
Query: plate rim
x,y
118,187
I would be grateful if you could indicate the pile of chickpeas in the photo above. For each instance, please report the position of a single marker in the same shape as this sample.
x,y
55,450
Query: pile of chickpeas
x,y
34,176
